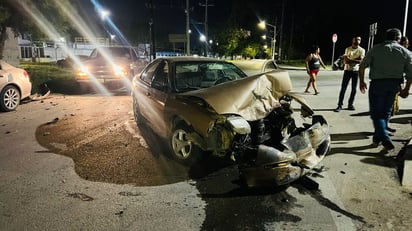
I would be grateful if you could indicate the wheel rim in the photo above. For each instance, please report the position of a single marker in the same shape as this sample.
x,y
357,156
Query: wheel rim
x,y
181,146
11,98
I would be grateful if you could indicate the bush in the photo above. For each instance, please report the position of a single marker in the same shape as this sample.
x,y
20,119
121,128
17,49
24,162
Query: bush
x,y
59,80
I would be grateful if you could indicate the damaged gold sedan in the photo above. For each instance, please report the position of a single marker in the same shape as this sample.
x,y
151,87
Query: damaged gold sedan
x,y
209,106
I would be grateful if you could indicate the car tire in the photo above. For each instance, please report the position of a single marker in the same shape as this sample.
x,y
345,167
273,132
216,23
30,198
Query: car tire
x,y
184,150
9,98
136,111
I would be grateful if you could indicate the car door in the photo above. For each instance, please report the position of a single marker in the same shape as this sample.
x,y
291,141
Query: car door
x,y
152,94
159,92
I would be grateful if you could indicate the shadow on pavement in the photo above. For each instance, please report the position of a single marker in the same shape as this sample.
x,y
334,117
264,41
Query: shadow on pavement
x,y
72,87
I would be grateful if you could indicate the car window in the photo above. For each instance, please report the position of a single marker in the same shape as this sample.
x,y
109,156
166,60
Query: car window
x,y
187,76
270,66
148,73
120,52
94,54
190,75
160,78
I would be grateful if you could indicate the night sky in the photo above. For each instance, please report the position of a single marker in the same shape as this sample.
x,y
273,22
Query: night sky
x,y
306,22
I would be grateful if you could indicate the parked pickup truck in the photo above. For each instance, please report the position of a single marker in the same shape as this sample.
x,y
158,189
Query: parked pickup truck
x,y
110,68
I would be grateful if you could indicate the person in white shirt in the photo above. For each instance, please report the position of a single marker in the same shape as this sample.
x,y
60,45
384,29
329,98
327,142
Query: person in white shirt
x,y
352,58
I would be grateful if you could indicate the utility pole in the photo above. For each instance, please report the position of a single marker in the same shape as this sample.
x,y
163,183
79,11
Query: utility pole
x,y
206,5
281,29
151,6
187,29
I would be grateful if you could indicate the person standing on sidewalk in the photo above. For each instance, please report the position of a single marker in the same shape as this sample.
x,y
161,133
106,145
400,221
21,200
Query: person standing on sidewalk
x,y
352,58
405,43
389,64
313,62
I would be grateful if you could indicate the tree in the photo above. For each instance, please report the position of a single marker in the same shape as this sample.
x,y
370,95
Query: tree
x,y
251,50
19,18
230,41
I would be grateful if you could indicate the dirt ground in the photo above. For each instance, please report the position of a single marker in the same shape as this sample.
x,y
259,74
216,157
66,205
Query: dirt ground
x,y
105,147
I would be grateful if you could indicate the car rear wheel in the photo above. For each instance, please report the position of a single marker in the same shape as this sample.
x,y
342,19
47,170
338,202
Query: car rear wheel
x,y
184,150
9,98
136,111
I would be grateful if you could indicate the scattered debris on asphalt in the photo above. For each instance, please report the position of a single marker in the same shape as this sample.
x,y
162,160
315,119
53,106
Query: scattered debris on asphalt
x,y
80,196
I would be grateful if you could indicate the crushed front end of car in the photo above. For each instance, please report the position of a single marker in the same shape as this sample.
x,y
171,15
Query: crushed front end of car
x,y
282,163
258,127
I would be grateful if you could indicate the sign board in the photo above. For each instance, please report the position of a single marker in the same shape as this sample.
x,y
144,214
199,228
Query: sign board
x,y
177,38
334,38
373,28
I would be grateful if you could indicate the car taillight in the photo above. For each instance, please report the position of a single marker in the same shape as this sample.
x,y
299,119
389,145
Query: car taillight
x,y
26,75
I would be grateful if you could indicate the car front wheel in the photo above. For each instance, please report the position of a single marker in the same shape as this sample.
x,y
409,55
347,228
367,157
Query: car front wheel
x,y
9,98
184,150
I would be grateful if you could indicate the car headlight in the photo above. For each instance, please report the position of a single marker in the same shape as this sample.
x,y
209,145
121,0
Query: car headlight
x,y
120,71
83,72
239,125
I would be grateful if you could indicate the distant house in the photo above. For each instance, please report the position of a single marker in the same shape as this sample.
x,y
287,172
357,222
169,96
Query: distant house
x,y
58,49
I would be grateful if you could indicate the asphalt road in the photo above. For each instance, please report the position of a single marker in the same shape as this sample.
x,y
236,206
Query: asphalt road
x,y
359,186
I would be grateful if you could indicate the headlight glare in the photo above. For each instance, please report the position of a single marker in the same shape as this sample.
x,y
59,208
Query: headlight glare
x,y
120,71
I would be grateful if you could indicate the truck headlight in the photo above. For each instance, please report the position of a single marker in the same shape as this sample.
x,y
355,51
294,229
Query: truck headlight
x,y
120,71
83,72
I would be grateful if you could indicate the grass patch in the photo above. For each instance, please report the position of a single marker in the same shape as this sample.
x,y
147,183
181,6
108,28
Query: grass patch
x,y
59,80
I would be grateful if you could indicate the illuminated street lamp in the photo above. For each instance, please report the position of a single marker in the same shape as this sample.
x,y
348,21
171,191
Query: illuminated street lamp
x,y
262,25
112,37
203,39
104,14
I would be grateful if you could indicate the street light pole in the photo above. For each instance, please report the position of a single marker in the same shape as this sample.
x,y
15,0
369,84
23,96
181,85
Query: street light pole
x,y
274,41
187,29
263,24
406,17
152,31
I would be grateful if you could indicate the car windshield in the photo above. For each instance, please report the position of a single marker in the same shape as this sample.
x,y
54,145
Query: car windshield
x,y
120,52
196,75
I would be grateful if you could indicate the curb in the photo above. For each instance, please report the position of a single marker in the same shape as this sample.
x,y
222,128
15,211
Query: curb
x,y
407,168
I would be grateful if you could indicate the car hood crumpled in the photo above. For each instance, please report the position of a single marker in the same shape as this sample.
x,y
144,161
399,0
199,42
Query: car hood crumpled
x,y
252,97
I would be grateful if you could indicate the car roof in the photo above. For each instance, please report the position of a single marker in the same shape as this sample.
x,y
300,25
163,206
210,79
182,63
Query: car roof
x,y
189,58
113,47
